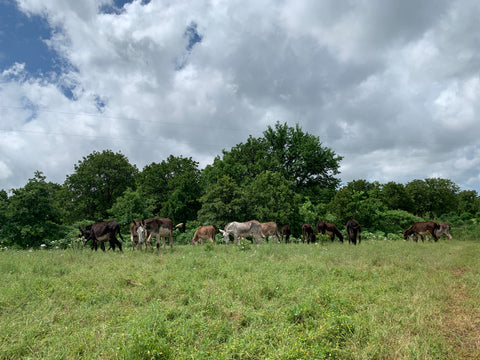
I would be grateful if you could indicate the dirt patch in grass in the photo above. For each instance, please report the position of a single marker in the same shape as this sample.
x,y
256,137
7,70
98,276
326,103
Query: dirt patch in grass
x,y
458,272
461,324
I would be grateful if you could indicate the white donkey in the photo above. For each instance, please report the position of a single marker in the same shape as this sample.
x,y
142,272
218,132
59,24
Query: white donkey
x,y
242,229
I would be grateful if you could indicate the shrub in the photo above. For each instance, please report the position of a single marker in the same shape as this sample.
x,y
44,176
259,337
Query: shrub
x,y
394,221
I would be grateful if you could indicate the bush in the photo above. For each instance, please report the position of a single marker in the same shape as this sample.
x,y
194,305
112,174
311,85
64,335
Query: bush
x,y
394,221
377,235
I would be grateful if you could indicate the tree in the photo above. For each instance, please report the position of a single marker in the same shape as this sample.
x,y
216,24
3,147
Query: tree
x,y
359,200
267,198
301,158
468,202
395,197
443,196
173,187
270,198
99,179
3,206
33,213
4,202
132,205
243,163
298,157
433,197
222,203
418,192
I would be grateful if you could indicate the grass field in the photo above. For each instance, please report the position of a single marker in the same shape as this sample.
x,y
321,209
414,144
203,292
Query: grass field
x,y
380,300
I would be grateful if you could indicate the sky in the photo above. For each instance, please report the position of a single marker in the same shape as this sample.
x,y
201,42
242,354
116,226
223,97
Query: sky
x,y
391,86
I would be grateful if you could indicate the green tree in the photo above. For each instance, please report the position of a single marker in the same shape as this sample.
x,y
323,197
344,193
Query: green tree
x,y
243,163
270,198
4,201
395,197
173,187
359,200
299,157
312,213
433,197
468,202
132,205
32,215
99,179
418,192
222,202
443,196
3,205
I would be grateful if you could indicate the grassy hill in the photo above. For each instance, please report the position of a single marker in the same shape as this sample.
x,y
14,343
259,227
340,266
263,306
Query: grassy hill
x,y
380,300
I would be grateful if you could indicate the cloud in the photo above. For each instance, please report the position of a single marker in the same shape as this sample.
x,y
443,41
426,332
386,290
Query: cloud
x,y
393,88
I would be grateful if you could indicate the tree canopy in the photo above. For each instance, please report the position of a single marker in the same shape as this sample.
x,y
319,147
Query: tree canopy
x,y
298,157
99,179
301,158
286,176
172,187
32,213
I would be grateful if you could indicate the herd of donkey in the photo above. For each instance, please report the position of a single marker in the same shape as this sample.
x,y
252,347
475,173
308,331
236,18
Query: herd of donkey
x,y
142,231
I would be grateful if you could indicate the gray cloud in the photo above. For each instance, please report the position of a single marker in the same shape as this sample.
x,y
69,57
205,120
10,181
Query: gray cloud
x,y
392,87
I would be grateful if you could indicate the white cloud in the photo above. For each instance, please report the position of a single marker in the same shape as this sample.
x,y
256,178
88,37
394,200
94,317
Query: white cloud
x,y
392,87
5,171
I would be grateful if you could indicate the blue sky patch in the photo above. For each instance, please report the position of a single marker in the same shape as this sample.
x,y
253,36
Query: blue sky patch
x,y
22,41
117,6
193,37
191,33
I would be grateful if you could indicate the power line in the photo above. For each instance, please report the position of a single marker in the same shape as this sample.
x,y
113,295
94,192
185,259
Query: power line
x,y
111,138
103,116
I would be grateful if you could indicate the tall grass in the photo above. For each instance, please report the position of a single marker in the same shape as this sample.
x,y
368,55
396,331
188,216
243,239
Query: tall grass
x,y
380,300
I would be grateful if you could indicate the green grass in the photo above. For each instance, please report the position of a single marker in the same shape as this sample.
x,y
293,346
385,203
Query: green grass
x,y
380,300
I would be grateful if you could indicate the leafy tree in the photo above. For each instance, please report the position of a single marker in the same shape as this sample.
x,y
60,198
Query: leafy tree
x,y
131,206
173,187
395,197
181,206
312,213
99,179
4,201
33,213
418,192
267,198
309,212
153,180
468,202
3,205
270,198
359,200
433,197
222,203
299,157
443,196
243,163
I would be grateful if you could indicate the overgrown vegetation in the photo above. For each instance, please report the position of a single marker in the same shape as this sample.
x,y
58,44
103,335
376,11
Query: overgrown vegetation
x,y
286,176
383,299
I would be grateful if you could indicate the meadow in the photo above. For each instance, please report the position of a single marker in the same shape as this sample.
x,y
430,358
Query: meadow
x,y
383,299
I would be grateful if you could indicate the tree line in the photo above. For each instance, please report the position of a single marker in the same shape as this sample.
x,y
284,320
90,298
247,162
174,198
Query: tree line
x,y
286,176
